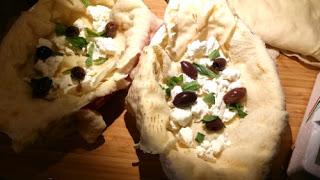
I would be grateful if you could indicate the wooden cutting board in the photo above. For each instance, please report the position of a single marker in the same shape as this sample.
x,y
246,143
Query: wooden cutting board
x,y
114,157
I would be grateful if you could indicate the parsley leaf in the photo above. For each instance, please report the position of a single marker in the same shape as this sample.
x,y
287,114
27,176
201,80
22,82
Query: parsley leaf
x,y
90,53
190,86
209,99
205,71
85,2
200,137
77,42
91,33
174,81
208,118
239,109
66,72
242,114
171,82
60,29
100,61
214,54
168,92
56,53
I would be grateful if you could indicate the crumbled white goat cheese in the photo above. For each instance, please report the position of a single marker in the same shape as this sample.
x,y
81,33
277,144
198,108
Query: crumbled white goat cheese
x,y
181,116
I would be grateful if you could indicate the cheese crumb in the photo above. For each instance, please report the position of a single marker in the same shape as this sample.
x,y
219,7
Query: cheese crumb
x,y
49,67
200,108
175,91
181,116
100,16
186,136
106,45
208,150
230,74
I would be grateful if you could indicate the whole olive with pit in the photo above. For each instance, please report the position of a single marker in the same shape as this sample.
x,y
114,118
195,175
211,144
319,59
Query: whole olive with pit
x,y
78,73
189,69
43,52
72,31
111,29
219,64
184,99
234,95
215,125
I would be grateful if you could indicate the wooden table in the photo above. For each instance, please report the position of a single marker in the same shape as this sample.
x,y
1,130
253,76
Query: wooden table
x,y
114,157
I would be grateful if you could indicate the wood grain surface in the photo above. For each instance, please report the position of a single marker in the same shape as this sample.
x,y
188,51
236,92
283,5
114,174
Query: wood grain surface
x,y
114,156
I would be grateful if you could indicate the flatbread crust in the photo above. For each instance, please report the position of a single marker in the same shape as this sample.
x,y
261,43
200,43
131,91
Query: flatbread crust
x,y
254,138
24,118
292,26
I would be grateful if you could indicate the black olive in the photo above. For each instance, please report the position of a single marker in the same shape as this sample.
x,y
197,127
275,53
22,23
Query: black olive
x,y
78,73
111,29
219,64
43,52
215,125
41,87
234,95
189,69
184,99
72,31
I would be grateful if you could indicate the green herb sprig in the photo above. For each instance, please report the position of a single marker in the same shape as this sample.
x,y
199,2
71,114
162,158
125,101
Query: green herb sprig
x,y
85,2
77,42
214,54
209,99
90,54
238,108
92,33
171,82
205,71
191,86
200,137
208,118
100,61
175,80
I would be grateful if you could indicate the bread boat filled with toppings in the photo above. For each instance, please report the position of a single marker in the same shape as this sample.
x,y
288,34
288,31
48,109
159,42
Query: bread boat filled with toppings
x,y
61,57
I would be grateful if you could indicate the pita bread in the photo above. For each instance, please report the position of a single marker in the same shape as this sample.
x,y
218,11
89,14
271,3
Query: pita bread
x,y
292,26
253,139
24,118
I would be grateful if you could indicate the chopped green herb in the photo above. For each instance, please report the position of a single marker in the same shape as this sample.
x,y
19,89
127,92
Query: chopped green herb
x,y
60,29
168,92
205,71
66,72
208,118
174,81
85,2
214,54
209,99
163,88
190,86
56,53
91,33
90,53
100,61
77,42
200,137
239,109
242,114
